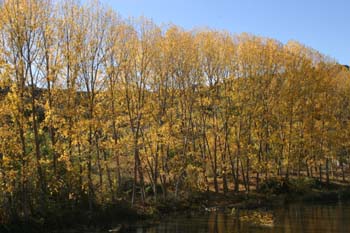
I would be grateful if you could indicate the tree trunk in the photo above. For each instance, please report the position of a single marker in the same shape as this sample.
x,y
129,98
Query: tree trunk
x,y
342,171
41,175
327,171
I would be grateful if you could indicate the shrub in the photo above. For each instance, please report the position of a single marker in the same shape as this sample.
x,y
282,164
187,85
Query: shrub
x,y
287,186
274,186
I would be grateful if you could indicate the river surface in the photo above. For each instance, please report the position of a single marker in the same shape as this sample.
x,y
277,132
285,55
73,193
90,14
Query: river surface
x,y
295,218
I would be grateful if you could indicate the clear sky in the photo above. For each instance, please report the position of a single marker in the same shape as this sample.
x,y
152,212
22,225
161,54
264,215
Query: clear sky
x,y
320,24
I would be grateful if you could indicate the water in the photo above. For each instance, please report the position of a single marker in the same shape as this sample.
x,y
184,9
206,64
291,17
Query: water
x,y
298,218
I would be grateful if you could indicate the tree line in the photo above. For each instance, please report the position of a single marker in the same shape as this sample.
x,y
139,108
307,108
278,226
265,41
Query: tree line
x,y
95,108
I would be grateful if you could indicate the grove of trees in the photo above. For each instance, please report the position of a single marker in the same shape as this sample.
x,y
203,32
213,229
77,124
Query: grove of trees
x,y
95,108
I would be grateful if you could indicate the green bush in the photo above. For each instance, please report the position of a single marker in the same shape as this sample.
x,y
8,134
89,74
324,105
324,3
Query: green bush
x,y
303,185
278,185
274,186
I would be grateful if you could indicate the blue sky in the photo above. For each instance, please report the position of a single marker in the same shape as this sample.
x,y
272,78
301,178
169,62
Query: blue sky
x,y
323,25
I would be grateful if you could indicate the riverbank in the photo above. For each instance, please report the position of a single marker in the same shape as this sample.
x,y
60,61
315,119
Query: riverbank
x,y
272,193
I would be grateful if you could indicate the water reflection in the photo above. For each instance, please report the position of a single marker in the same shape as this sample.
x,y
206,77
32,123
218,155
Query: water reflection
x,y
297,218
